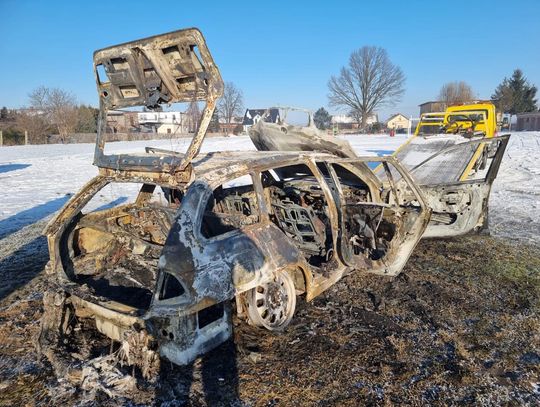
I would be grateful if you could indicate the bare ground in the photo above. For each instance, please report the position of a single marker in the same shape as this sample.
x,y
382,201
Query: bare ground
x,y
460,326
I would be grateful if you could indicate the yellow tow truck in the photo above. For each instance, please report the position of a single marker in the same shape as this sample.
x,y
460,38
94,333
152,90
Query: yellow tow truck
x,y
471,119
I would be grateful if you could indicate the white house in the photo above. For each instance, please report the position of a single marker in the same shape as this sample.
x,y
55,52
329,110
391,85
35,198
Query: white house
x,y
164,122
170,129
161,117
344,120
398,121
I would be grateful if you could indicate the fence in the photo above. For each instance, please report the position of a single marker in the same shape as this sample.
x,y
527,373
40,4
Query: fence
x,y
111,137
13,139
22,139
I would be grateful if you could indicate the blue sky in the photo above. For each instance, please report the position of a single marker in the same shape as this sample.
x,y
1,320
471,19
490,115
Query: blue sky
x,y
277,52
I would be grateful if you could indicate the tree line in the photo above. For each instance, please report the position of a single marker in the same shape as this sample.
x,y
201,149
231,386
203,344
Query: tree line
x,y
50,111
56,111
369,82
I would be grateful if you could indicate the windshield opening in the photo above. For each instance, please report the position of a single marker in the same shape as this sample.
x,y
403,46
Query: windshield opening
x,y
131,130
295,117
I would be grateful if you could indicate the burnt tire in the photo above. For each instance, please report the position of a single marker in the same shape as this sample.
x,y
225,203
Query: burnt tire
x,y
271,305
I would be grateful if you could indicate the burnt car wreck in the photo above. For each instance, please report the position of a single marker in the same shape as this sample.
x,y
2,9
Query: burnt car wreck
x,y
160,275
454,172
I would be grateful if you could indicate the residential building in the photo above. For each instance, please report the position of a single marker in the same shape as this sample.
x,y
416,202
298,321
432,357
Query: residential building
x,y
164,122
252,116
169,128
29,111
434,106
344,121
398,121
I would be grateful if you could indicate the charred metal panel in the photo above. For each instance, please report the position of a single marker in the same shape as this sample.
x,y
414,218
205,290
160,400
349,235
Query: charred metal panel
x,y
167,68
465,207
460,206
214,270
164,69
281,136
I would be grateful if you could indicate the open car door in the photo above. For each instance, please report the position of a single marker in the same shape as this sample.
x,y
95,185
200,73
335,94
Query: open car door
x,y
377,231
455,181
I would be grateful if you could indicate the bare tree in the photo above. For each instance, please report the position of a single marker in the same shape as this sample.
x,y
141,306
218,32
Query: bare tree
x,y
38,98
231,103
58,106
370,81
36,124
193,113
456,92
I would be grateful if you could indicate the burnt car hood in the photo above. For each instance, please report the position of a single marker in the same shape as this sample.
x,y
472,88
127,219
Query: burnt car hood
x,y
282,136
176,67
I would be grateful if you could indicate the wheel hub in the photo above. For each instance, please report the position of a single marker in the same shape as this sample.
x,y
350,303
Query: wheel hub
x,y
275,296
272,304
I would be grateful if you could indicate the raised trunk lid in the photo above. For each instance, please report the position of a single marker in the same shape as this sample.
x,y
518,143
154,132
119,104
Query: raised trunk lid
x,y
169,68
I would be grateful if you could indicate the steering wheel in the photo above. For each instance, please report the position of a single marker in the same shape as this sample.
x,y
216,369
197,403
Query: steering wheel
x,y
452,127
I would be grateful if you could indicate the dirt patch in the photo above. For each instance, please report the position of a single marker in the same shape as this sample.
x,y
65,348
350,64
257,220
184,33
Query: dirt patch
x,y
460,325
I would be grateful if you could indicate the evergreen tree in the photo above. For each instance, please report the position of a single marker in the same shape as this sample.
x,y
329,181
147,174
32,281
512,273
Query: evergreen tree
x,y
87,117
4,113
322,119
213,127
515,95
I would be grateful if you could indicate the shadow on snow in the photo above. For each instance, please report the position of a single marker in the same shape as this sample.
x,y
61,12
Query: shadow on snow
x,y
21,266
12,167
28,216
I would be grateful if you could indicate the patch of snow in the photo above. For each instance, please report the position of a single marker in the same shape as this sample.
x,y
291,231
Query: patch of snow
x,y
38,179
515,198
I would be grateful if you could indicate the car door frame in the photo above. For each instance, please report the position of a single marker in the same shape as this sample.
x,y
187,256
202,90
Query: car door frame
x,y
474,216
403,252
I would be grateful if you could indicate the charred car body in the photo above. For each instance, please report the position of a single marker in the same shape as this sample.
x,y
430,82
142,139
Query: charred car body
x,y
204,232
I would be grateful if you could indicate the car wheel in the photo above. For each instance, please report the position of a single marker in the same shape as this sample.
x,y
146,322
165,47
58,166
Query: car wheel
x,y
271,305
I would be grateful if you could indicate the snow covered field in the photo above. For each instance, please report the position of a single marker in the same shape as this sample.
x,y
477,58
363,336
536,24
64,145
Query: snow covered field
x,y
515,198
38,179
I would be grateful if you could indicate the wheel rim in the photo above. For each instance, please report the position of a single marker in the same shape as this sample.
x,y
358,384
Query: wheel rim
x,y
272,304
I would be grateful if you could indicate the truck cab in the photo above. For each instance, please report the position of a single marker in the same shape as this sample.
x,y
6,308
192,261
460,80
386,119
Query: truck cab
x,y
479,118
467,119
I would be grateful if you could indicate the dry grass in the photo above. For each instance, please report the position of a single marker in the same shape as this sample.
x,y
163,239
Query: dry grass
x,y
459,326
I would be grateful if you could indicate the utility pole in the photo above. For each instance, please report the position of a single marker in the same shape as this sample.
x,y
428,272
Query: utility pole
x,y
25,137
1,139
